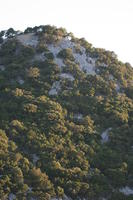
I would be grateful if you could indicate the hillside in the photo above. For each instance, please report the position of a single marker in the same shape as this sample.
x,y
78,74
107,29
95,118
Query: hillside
x,y
66,118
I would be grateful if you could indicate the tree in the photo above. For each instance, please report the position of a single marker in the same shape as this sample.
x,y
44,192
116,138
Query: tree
x,y
66,54
10,33
33,72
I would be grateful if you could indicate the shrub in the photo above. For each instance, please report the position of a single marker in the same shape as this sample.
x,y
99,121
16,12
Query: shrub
x,y
66,54
33,72
31,108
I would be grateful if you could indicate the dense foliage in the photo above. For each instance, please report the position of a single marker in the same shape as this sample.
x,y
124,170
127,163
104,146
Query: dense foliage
x,y
51,145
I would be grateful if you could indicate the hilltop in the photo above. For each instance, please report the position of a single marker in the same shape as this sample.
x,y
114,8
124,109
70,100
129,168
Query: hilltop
x,y
66,118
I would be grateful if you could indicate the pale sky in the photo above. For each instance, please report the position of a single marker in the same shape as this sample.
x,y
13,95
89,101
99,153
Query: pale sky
x,y
104,23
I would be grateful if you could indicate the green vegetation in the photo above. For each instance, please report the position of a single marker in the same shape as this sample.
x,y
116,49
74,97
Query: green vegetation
x,y
51,145
66,53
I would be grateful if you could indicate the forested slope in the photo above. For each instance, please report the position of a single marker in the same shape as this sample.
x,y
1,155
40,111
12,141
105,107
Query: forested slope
x,y
66,118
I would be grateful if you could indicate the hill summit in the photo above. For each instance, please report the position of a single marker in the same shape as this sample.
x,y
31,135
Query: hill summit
x,y
66,118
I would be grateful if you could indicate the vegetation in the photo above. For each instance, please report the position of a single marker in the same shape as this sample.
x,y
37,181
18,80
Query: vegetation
x,y
51,145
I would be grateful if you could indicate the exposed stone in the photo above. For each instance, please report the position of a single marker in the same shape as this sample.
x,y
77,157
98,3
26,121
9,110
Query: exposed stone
x,y
105,135
55,88
2,67
78,116
29,39
126,190
12,196
67,76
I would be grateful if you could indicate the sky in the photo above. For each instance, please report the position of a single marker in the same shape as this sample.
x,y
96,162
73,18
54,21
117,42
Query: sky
x,y
104,23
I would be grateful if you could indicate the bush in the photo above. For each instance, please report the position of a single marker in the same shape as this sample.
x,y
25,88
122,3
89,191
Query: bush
x,y
66,54
33,72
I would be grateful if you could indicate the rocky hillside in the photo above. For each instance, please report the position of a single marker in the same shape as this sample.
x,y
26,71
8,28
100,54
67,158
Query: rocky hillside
x,y
66,118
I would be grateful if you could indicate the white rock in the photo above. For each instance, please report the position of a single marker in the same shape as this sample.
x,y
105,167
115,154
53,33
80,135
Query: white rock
x,y
55,88
20,81
59,62
67,44
67,76
39,30
83,50
111,77
2,67
105,135
4,37
35,158
63,44
12,196
117,87
53,91
85,62
64,198
103,65
39,57
78,116
126,190
19,32
30,189
28,39
54,49
69,37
